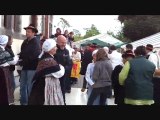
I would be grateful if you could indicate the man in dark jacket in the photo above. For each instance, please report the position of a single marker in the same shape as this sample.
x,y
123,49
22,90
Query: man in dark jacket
x,y
29,56
87,58
63,58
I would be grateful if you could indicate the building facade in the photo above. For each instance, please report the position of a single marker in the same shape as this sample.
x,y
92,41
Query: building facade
x,y
13,25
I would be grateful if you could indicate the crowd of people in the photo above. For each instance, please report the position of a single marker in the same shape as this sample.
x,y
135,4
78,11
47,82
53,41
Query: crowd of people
x,y
49,69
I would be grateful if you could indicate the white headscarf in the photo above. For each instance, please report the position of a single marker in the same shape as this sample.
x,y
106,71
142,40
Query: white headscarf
x,y
47,46
94,52
3,40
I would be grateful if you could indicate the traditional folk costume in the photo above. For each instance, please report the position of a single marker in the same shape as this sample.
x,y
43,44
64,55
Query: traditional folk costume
x,y
46,88
6,89
76,58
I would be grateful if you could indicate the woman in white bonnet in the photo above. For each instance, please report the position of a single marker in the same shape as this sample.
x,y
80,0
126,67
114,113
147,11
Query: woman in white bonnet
x,y
46,87
6,89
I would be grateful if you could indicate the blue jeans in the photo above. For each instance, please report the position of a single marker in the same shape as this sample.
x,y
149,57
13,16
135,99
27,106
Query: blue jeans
x,y
96,101
25,85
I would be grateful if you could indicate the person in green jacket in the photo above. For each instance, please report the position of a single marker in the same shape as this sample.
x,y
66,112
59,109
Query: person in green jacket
x,y
136,76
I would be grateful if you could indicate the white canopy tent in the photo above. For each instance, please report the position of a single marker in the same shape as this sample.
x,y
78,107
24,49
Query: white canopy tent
x,y
153,39
103,37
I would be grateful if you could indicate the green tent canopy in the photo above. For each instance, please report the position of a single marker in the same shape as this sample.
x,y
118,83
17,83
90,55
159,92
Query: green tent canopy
x,y
97,41
118,45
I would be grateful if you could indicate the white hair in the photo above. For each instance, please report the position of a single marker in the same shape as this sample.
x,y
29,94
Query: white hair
x,y
94,52
106,49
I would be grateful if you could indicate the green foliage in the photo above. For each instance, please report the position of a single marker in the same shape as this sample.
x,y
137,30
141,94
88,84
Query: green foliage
x,y
119,36
139,26
122,18
64,23
78,37
91,32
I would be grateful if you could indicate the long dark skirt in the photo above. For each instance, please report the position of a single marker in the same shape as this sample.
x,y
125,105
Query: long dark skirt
x,y
6,89
37,93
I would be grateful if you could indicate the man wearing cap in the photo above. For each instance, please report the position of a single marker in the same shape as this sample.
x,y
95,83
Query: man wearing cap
x,y
29,60
153,57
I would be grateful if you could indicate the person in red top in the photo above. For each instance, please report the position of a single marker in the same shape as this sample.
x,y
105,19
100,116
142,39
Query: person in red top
x,y
93,47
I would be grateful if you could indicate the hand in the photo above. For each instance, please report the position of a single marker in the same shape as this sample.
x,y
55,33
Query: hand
x,y
93,85
157,72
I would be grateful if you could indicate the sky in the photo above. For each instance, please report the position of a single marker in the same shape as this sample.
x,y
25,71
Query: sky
x,y
103,23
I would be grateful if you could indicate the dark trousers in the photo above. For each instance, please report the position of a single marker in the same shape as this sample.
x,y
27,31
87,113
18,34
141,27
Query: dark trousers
x,y
156,90
84,83
68,84
73,80
68,78
102,92
62,83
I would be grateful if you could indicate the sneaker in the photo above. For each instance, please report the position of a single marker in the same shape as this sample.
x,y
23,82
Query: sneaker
x,y
83,89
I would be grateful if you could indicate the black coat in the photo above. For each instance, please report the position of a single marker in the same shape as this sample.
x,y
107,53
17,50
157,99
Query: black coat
x,y
3,88
119,92
87,58
30,51
9,49
62,57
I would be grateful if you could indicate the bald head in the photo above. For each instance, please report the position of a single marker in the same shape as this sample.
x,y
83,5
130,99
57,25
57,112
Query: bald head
x,y
61,41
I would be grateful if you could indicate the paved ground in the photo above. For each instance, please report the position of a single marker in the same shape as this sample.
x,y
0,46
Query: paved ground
x,y
76,97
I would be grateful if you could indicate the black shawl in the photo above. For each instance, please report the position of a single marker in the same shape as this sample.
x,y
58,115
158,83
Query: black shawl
x,y
46,65
4,56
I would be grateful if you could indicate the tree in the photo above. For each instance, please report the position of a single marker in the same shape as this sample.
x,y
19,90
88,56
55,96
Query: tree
x,y
91,31
77,35
64,23
122,18
76,32
119,36
139,26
